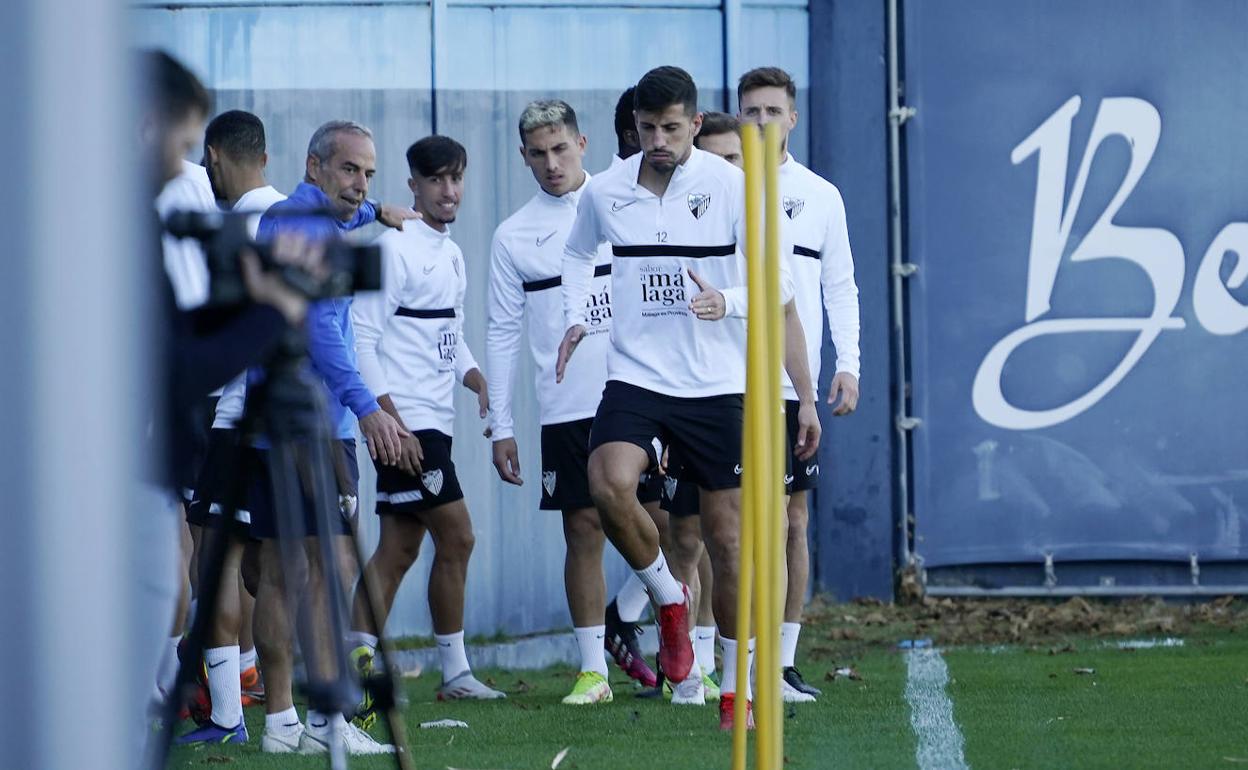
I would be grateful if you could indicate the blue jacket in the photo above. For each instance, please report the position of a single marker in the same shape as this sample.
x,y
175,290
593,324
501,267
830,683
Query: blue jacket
x,y
331,340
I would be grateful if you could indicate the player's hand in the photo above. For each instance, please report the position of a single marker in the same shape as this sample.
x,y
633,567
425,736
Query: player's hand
x,y
663,462
571,339
507,461
395,216
383,434
708,304
808,431
844,385
411,455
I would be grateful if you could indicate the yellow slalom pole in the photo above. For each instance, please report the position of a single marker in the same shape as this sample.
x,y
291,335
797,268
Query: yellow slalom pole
x,y
775,509
751,153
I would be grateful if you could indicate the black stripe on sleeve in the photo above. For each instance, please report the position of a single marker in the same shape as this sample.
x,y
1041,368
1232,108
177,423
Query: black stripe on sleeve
x,y
407,312
542,285
802,251
664,250
550,283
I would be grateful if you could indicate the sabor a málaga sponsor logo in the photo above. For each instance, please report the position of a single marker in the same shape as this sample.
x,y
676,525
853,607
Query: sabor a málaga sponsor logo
x,y
663,290
598,310
448,341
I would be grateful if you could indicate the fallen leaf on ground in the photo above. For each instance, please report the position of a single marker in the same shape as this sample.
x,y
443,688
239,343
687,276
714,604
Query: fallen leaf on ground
x,y
554,763
443,723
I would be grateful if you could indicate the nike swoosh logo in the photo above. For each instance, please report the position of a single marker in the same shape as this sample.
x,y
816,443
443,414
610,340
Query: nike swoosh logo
x,y
617,206
429,269
221,663
542,241
322,724
444,644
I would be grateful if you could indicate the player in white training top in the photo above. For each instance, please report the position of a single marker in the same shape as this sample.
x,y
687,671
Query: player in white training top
x,y
814,222
411,351
235,156
674,217
526,262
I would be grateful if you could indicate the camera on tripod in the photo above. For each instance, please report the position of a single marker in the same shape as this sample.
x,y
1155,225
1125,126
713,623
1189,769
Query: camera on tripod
x,y
225,234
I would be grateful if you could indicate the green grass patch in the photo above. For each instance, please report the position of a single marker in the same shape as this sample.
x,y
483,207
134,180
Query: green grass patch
x,y
860,723
1162,707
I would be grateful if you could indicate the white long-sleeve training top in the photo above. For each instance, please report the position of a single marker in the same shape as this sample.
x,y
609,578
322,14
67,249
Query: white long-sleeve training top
x,y
822,264
409,339
657,342
526,260
230,405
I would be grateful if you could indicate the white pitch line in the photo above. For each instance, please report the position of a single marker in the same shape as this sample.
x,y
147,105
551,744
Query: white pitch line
x,y
931,712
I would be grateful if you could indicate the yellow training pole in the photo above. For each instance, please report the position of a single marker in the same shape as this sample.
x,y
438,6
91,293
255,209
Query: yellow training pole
x,y
774,489
751,153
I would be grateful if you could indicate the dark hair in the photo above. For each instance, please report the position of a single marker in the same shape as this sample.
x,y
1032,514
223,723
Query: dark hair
x,y
624,122
547,112
714,123
170,89
662,87
764,77
435,155
238,134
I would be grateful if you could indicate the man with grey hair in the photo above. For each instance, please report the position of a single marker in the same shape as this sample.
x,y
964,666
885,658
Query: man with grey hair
x,y
526,259
340,165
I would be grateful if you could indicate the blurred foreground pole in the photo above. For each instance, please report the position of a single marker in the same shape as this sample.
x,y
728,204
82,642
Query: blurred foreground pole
x,y
70,341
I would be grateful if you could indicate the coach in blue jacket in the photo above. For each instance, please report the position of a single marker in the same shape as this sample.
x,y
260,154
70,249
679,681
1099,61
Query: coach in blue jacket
x,y
340,164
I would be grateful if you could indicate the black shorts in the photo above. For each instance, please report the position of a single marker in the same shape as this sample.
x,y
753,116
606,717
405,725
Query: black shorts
x,y
680,499
400,492
704,432
803,474
188,477
565,468
222,480
260,493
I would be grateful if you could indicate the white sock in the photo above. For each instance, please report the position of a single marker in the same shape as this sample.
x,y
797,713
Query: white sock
x,y
283,722
452,654
168,670
224,685
247,659
321,723
663,588
704,648
362,639
632,599
788,643
593,654
728,683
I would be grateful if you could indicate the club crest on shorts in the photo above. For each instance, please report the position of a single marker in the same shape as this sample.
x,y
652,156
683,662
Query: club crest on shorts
x,y
669,487
792,206
548,482
432,480
698,203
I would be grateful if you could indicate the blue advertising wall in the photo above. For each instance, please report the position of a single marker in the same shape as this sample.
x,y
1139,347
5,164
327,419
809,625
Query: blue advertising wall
x,y
1077,203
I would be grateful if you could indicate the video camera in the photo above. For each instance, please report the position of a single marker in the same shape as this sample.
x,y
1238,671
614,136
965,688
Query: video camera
x,y
225,234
